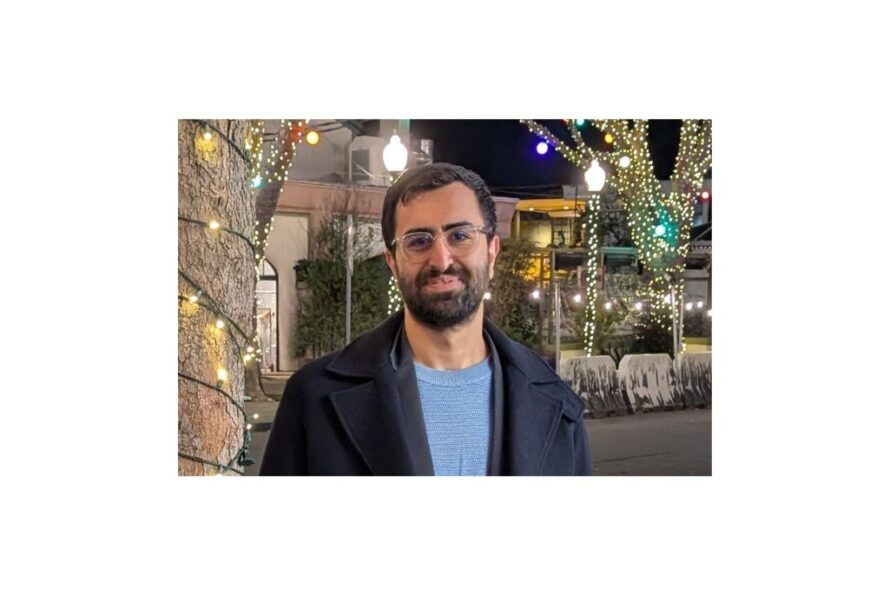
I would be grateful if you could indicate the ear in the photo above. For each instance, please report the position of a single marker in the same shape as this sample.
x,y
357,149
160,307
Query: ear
x,y
391,263
494,248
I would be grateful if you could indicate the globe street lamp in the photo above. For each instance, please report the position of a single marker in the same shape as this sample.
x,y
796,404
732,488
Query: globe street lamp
x,y
395,155
595,176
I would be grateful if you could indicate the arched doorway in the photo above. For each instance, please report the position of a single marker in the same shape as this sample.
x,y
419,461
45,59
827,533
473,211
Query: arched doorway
x,y
267,318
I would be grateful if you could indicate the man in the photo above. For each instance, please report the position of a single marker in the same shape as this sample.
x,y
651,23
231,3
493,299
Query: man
x,y
436,389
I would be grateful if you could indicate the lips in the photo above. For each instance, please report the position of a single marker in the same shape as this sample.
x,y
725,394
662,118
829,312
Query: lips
x,y
443,280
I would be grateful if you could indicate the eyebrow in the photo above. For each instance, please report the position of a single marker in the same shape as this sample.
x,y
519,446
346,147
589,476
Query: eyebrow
x,y
445,227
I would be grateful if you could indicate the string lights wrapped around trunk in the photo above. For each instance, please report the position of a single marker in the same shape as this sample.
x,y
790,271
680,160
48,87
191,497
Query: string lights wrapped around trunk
x,y
267,171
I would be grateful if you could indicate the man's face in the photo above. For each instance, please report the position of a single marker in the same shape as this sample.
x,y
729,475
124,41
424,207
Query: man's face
x,y
442,290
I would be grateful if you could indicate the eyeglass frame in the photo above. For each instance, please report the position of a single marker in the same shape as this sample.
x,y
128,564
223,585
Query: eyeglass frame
x,y
477,228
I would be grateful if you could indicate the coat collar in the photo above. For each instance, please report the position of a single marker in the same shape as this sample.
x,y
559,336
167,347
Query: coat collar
x,y
372,414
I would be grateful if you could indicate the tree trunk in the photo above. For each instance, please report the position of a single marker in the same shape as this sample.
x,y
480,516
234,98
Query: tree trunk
x,y
213,186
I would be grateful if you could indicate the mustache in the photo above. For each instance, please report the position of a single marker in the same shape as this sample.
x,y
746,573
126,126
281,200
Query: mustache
x,y
453,269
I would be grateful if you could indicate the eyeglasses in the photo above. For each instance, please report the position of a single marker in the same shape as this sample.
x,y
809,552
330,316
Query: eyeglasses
x,y
461,240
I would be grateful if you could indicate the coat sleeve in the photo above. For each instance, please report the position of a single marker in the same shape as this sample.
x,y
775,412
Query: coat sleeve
x,y
286,450
583,459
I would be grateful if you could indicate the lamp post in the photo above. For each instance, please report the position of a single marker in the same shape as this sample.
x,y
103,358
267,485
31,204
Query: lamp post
x,y
595,177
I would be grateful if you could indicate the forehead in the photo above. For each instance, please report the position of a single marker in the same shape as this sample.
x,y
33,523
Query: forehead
x,y
435,208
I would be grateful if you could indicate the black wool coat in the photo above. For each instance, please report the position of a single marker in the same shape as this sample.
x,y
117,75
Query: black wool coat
x,y
341,415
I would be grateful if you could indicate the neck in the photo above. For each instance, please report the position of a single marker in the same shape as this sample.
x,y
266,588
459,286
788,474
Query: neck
x,y
450,349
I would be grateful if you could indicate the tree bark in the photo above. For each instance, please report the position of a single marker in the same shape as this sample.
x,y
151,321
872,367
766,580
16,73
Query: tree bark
x,y
214,186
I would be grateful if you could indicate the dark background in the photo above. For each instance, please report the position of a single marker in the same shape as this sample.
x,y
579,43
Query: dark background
x,y
503,151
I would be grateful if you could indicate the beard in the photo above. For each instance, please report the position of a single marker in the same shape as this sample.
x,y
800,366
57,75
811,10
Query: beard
x,y
445,309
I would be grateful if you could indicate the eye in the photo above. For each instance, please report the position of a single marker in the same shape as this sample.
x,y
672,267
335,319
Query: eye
x,y
418,241
460,235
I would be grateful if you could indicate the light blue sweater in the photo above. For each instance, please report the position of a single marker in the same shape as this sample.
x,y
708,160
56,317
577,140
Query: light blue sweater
x,y
457,414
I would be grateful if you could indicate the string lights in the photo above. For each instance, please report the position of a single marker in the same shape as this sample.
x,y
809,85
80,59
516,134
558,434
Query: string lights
x,y
268,171
194,298
591,219
660,222
394,297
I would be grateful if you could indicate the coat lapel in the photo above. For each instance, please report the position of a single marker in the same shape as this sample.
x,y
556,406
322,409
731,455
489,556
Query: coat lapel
x,y
371,416
533,406
532,418
370,411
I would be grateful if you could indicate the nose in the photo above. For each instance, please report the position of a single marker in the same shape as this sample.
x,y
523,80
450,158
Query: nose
x,y
440,255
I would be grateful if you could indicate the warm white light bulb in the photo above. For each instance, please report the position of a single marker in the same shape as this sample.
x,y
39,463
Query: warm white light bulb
x,y
577,298
689,306
487,295
608,305
220,323
222,375
536,294
638,305
256,416
624,161
214,225
595,177
699,304
395,155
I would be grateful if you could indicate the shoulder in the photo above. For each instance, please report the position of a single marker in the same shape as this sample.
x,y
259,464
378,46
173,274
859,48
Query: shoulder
x,y
536,371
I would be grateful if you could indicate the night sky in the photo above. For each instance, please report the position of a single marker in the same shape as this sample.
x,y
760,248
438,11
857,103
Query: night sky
x,y
503,152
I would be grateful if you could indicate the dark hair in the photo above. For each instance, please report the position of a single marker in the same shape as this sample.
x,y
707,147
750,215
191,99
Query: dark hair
x,y
429,177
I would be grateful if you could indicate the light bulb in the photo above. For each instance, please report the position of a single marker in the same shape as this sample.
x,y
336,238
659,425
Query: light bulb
x,y
214,225
624,161
608,305
595,177
222,375
220,323
395,155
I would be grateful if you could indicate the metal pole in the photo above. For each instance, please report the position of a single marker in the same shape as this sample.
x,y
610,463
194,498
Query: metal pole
x,y
557,324
679,333
673,320
349,233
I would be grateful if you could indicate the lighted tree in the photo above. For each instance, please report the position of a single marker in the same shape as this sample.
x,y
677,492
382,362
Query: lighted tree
x,y
216,288
230,177
660,222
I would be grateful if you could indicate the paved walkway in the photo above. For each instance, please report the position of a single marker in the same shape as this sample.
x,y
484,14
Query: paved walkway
x,y
666,443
